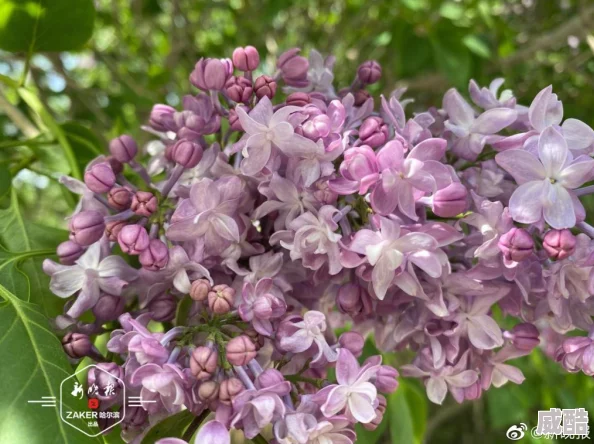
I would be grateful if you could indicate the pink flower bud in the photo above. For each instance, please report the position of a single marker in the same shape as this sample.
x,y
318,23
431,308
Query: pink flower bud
x,y
123,148
161,118
200,289
113,228
524,336
317,127
77,345
369,72
234,122
239,89
69,252
100,178
350,299
379,414
156,256
208,391
246,59
144,203
559,244
361,96
516,245
385,379
86,227
353,342
163,307
116,166
265,86
133,239
451,200
293,68
373,132
204,362
229,389
119,198
298,99
210,74
359,162
240,350
109,307
186,153
221,299
269,378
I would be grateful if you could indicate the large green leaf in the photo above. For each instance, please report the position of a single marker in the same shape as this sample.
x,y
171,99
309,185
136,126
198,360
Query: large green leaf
x,y
23,246
171,427
33,366
85,144
45,25
401,414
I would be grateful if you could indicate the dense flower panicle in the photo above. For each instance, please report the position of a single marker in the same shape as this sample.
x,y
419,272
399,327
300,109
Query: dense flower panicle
x,y
273,208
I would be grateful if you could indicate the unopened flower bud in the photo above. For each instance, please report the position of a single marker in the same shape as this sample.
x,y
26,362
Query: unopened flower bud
x,y
246,59
77,345
161,118
210,74
116,166
516,245
353,342
204,362
293,68
265,86
119,198
379,414
473,392
229,389
113,228
100,178
109,307
298,99
361,96
240,350
239,89
156,256
186,153
108,377
559,244
208,391
123,148
163,307
350,299
221,299
369,72
144,203
524,336
69,252
373,132
86,227
451,200
133,239
234,122
269,378
200,289
385,379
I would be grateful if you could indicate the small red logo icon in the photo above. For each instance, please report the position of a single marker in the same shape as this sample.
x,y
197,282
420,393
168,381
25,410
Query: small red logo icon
x,y
93,403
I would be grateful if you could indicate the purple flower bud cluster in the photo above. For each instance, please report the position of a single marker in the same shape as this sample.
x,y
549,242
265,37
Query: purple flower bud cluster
x,y
262,221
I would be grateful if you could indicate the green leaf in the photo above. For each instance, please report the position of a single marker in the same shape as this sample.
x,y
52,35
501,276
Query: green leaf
x,y
451,56
477,46
23,247
171,427
45,25
5,180
368,436
183,310
36,105
399,416
451,10
33,366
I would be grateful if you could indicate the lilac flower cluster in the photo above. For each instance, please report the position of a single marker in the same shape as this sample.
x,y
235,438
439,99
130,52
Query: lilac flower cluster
x,y
271,210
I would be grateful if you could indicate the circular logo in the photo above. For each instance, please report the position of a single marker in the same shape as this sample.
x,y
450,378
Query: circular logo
x,y
516,432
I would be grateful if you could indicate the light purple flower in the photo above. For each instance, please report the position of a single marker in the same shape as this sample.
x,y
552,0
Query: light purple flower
x,y
488,98
91,274
546,182
265,129
213,432
309,332
166,384
261,304
353,394
255,409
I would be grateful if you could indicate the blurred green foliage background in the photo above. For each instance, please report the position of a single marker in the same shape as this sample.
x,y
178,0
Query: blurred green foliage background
x,y
142,51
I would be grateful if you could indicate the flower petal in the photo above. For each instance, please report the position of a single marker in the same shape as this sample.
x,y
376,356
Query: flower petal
x,y
437,389
558,209
552,150
347,367
526,203
523,166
